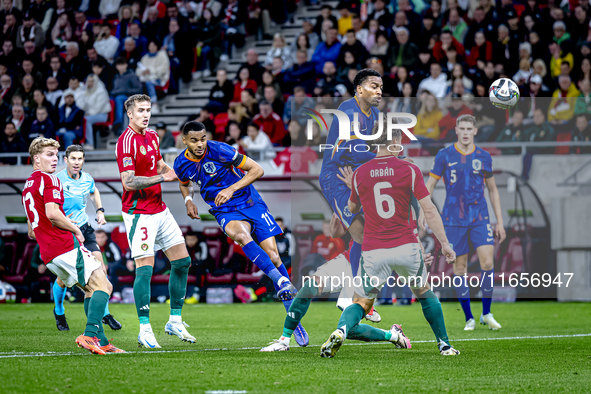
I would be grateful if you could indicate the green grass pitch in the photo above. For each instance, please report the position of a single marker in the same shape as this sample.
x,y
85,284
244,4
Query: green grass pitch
x,y
226,355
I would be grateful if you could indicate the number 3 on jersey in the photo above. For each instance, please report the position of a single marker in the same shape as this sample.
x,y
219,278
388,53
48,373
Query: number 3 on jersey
x,y
380,199
31,206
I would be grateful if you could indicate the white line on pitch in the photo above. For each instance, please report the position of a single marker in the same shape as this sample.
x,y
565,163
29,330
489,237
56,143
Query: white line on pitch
x,y
61,354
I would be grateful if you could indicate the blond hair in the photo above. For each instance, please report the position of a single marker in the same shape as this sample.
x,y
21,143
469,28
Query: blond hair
x,y
466,118
40,143
135,99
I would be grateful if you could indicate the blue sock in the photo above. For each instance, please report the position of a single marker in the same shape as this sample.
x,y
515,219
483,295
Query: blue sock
x,y
486,285
463,292
58,297
262,260
354,257
107,309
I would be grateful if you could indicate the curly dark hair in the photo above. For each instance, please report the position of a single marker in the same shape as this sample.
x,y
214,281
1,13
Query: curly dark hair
x,y
363,75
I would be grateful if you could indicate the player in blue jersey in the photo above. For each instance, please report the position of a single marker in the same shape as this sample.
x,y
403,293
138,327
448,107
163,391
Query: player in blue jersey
x,y
466,169
235,203
77,186
351,153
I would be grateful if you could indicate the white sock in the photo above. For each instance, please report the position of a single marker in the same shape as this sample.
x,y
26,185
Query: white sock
x,y
175,319
146,327
394,337
281,280
285,340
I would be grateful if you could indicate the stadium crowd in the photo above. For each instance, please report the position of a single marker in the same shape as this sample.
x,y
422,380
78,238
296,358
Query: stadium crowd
x,y
66,67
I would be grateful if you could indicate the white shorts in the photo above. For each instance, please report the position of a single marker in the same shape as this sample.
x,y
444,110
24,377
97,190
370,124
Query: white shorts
x,y
336,277
74,267
148,234
375,269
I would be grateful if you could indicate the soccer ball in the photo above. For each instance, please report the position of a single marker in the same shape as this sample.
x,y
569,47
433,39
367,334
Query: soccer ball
x,y
503,93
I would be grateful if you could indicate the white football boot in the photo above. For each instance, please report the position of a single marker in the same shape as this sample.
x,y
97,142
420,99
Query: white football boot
x,y
332,344
490,321
470,325
278,345
146,337
373,316
447,350
398,338
178,329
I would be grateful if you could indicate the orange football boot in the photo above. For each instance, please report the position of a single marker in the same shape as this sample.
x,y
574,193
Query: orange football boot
x,y
112,349
90,344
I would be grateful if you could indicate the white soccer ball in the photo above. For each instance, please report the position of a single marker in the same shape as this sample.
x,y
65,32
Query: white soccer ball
x,y
503,93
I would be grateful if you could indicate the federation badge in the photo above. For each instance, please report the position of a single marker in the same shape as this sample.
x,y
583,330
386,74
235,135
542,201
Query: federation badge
x,y
143,150
127,161
155,145
346,212
145,247
56,194
476,164
209,167
222,222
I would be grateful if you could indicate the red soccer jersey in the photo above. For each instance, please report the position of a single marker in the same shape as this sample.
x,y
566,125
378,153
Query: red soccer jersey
x,y
328,247
140,153
42,188
384,185
296,159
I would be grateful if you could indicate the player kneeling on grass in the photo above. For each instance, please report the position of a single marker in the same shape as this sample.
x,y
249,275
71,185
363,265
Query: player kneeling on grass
x,y
61,243
383,187
237,206
334,276
149,224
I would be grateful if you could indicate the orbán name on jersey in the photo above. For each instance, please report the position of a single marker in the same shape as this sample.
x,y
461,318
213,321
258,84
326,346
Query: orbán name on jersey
x,y
42,188
385,186
464,175
140,153
214,172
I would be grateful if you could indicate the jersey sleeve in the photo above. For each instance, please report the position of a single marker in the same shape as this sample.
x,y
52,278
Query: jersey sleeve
x,y
229,155
180,172
92,185
158,154
52,190
125,155
419,190
487,169
354,189
438,165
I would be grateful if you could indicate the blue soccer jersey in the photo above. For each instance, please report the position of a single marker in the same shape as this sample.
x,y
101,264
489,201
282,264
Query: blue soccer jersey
x,y
214,172
351,152
75,193
464,175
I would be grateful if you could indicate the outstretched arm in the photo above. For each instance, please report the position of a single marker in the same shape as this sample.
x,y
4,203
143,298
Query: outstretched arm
x,y
431,183
253,172
495,200
96,201
187,192
436,224
132,182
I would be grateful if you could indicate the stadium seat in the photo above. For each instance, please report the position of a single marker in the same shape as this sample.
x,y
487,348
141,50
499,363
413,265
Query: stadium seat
x,y
220,121
10,254
304,235
19,269
563,137
213,239
249,273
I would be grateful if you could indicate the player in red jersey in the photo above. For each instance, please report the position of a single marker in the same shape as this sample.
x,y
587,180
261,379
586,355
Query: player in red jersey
x,y
149,224
61,243
384,187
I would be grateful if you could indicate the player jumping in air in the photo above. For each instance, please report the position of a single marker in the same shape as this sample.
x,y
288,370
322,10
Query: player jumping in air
x,y
61,243
368,88
150,225
465,169
235,203
77,186
384,187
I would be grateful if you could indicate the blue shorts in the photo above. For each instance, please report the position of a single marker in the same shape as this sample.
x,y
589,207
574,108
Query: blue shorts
x,y
480,234
262,223
338,198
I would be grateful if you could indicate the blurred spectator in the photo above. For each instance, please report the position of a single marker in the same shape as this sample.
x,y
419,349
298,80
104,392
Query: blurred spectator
x,y
28,67
405,53
76,88
327,83
238,114
506,50
81,25
108,9
161,7
457,73
233,134
271,123
428,119
541,130
154,70
126,15
57,71
381,46
115,261
481,51
248,102
447,124
106,45
12,142
62,31
244,82
131,53
278,49
180,52
456,25
209,44
71,121
75,64
285,243
86,41
205,118
270,95
327,51
41,126
10,28
513,132
350,43
19,118
446,43
562,105
54,93
583,104
259,140
327,246
562,37
26,90
125,84
30,30
585,70
436,83
295,159
96,107
345,21
254,67
6,88
296,105
404,103
42,13
153,26
104,72
381,14
221,93
558,56
234,18
165,136
325,15
581,133
9,55
39,100
302,73
524,73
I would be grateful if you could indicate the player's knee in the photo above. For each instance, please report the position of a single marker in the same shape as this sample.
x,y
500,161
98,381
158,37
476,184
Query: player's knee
x,y
242,238
487,264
